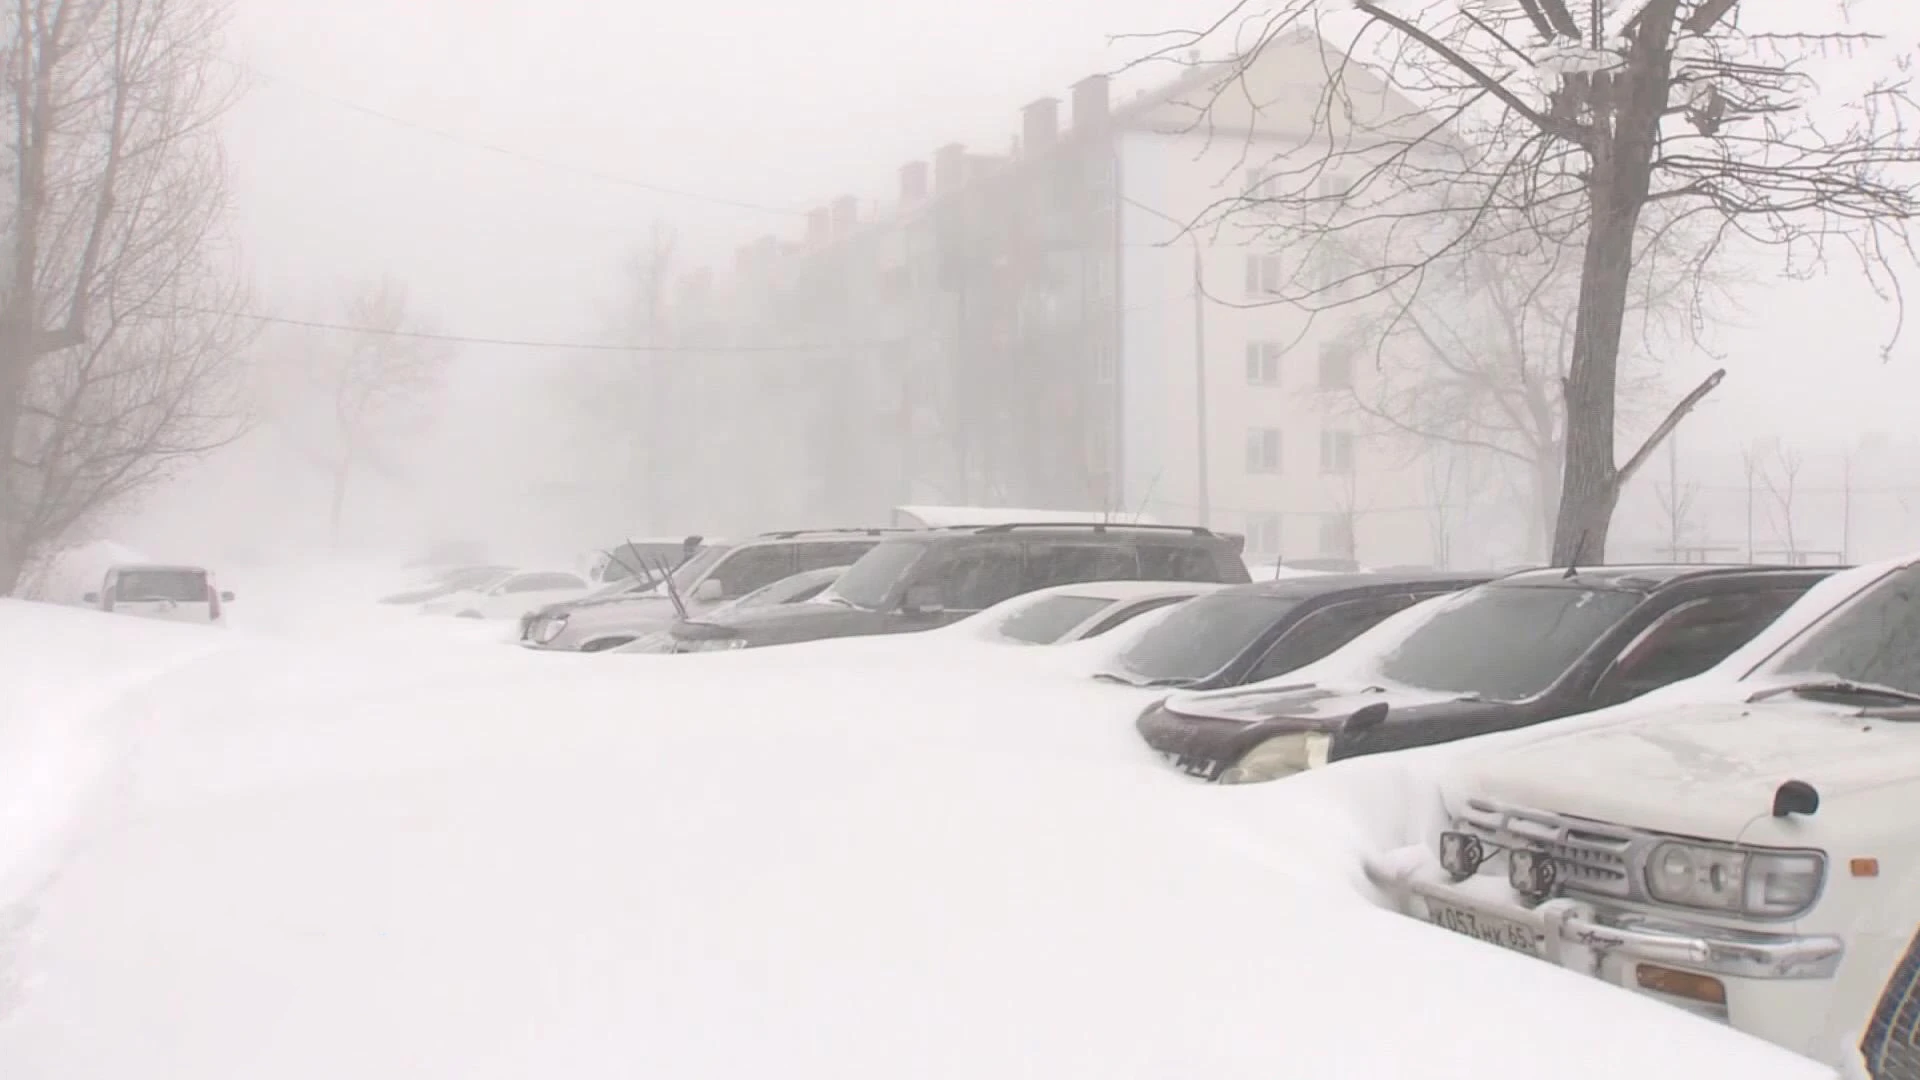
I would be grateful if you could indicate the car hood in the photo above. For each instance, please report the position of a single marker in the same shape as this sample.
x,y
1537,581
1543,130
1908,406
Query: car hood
x,y
781,624
1305,702
1702,768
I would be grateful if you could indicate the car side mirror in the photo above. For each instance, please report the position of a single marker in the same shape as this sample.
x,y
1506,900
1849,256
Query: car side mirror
x,y
923,600
709,590
226,598
89,598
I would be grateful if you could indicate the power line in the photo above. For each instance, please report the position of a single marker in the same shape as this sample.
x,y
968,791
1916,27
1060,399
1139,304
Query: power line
x,y
508,151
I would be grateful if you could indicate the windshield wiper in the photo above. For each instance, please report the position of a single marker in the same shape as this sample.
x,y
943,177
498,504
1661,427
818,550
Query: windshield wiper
x,y
1844,687
1108,676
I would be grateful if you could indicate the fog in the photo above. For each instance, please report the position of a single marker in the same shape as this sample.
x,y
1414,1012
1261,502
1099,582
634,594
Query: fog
x,y
509,163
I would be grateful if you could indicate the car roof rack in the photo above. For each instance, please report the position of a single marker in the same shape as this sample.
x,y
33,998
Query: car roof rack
x,y
1092,526
861,530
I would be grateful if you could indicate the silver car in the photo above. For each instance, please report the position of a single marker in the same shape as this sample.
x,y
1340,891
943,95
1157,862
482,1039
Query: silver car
x,y
719,572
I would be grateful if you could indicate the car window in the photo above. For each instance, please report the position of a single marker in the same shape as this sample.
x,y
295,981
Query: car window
x,y
1506,642
1130,612
874,579
1321,633
1071,562
1873,638
541,583
1690,639
838,553
1171,562
1045,621
1203,636
177,586
974,576
749,568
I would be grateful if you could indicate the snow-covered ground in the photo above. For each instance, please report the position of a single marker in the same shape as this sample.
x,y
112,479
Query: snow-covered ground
x,y
338,841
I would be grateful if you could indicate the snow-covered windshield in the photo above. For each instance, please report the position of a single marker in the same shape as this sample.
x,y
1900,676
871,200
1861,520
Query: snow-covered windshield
x,y
1047,619
689,573
1505,642
1873,639
870,583
1203,635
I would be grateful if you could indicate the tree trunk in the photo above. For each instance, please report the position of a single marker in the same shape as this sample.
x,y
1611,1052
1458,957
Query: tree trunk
x,y
1590,482
16,360
337,509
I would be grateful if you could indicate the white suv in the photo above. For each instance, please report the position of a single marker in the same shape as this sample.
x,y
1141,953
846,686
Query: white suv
x,y
174,593
1745,846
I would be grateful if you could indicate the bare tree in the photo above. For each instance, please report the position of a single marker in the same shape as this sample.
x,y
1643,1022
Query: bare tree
x,y
117,363
1481,363
1594,124
1677,501
1779,471
355,401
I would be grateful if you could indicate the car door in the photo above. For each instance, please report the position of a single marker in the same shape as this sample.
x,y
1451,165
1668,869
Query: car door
x,y
1694,635
1322,632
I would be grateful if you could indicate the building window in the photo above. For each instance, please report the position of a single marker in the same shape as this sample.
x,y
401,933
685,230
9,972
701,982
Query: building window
x,y
1263,450
1263,363
1263,275
1336,536
1336,452
1104,369
1336,365
1263,534
1260,184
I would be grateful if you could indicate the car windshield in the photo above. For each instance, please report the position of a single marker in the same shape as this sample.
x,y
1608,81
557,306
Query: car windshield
x,y
1203,635
1047,619
787,590
1505,642
629,561
688,573
1874,639
871,581
179,586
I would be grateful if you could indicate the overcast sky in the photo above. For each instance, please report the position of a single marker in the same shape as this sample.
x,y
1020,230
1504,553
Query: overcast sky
x,y
780,103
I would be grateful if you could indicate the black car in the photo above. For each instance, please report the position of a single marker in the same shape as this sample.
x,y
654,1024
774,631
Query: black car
x,y
1524,649
1247,633
929,578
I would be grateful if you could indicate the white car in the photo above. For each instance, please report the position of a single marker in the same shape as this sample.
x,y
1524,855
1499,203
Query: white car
x,y
512,596
1744,845
1068,613
174,593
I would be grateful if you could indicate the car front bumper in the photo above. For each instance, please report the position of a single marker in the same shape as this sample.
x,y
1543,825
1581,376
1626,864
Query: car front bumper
x,y
1773,985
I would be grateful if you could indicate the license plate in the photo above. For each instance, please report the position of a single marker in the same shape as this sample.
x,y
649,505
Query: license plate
x,y
1492,929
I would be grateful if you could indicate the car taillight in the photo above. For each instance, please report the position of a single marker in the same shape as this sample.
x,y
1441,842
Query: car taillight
x,y
213,601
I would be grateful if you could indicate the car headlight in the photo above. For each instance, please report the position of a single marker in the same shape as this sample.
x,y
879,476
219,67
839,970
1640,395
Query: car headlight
x,y
725,644
1282,755
1747,881
545,630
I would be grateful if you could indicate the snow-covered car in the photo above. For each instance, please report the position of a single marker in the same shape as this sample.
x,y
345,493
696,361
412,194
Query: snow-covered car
x,y
446,582
1743,845
796,589
1067,613
173,593
1250,633
512,596
1521,650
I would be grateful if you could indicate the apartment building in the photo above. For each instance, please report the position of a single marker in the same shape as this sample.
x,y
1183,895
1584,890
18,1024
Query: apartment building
x,y
1022,329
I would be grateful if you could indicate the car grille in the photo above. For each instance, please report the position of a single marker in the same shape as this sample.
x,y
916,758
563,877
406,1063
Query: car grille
x,y
1591,856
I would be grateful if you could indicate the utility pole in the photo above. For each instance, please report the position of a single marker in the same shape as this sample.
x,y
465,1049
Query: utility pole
x,y
1203,496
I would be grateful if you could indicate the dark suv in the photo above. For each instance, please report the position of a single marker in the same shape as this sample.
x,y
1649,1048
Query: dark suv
x,y
926,579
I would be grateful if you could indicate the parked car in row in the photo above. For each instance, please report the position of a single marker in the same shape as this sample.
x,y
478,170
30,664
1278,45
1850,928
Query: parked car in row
x,y
1743,845
641,559
1249,633
1520,650
720,571
797,589
511,595
924,579
1064,614
446,582
173,593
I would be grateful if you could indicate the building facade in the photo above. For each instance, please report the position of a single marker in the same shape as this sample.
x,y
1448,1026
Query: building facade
x,y
1039,328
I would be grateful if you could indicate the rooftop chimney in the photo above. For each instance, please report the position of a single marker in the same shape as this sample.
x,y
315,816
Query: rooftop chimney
x,y
846,213
913,181
819,225
1090,105
949,168
1039,124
